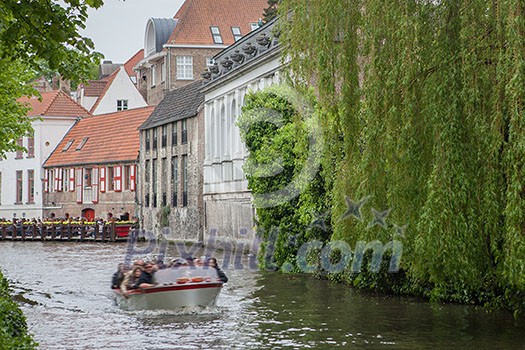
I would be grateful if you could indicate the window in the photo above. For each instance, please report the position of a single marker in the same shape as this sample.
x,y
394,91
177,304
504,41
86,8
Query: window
x,y
19,152
82,143
163,181
127,178
164,139
31,146
163,71
154,130
174,181
122,105
185,67
65,179
87,177
111,179
153,80
147,139
184,131
154,182
216,34
146,173
19,189
184,181
236,31
174,134
146,184
68,144
30,186
254,25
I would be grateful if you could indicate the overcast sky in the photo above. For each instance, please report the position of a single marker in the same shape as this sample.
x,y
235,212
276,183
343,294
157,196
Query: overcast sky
x,y
118,27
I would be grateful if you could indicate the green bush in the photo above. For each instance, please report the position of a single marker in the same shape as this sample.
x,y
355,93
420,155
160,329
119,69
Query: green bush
x,y
13,326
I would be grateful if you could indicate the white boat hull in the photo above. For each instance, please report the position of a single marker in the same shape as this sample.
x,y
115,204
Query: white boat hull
x,y
171,297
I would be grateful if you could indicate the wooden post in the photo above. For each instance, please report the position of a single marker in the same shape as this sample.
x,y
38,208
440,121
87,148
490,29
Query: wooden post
x,y
34,231
112,232
4,232
22,231
82,231
53,231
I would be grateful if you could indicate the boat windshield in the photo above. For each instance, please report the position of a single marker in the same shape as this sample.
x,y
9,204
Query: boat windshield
x,y
185,274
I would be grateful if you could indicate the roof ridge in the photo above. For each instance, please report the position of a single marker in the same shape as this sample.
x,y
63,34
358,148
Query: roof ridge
x,y
56,93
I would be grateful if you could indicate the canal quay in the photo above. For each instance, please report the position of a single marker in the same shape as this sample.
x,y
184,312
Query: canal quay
x,y
64,290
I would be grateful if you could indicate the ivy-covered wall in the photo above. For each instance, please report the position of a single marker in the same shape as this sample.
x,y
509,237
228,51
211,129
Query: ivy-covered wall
x,y
421,105
13,327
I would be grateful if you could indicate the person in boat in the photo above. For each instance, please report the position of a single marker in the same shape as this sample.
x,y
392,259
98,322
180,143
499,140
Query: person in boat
x,y
130,281
146,278
118,277
212,262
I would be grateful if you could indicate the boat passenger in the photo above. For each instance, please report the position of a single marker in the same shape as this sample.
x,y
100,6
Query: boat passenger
x,y
146,278
212,262
130,281
118,276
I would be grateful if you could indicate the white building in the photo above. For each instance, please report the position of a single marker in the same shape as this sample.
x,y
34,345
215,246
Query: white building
x,y
252,63
118,93
21,175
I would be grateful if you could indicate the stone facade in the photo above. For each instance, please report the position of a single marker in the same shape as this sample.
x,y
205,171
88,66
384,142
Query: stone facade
x,y
227,200
171,176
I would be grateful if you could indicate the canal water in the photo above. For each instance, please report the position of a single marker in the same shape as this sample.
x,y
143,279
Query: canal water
x,y
63,288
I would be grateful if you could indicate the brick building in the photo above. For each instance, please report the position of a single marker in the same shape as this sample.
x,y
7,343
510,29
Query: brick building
x,y
178,49
93,170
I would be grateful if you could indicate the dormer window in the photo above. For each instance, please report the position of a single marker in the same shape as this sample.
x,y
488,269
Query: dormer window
x,y
82,143
216,34
254,25
66,147
122,105
236,31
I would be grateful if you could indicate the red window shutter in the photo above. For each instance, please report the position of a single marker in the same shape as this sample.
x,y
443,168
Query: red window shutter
x,y
59,176
118,178
94,185
72,180
132,177
102,179
46,181
79,183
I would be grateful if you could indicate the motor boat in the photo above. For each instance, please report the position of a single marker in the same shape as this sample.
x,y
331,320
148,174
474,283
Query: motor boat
x,y
186,286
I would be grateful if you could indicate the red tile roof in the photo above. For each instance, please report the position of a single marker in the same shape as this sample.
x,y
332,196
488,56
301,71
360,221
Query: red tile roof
x,y
108,80
112,138
94,88
196,16
133,61
54,104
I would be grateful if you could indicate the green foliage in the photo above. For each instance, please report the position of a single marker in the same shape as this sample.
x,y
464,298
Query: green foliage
x,y
13,327
422,110
277,137
271,11
35,37
163,216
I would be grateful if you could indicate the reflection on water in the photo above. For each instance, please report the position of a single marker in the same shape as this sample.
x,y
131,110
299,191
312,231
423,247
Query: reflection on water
x,y
64,291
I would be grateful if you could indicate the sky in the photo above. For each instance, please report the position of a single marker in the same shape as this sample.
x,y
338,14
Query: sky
x,y
118,27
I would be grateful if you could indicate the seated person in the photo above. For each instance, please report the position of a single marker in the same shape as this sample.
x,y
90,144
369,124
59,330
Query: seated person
x,y
118,276
212,262
130,281
146,278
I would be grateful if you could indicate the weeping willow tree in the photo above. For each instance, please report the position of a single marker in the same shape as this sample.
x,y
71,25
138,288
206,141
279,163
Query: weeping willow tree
x,y
422,105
